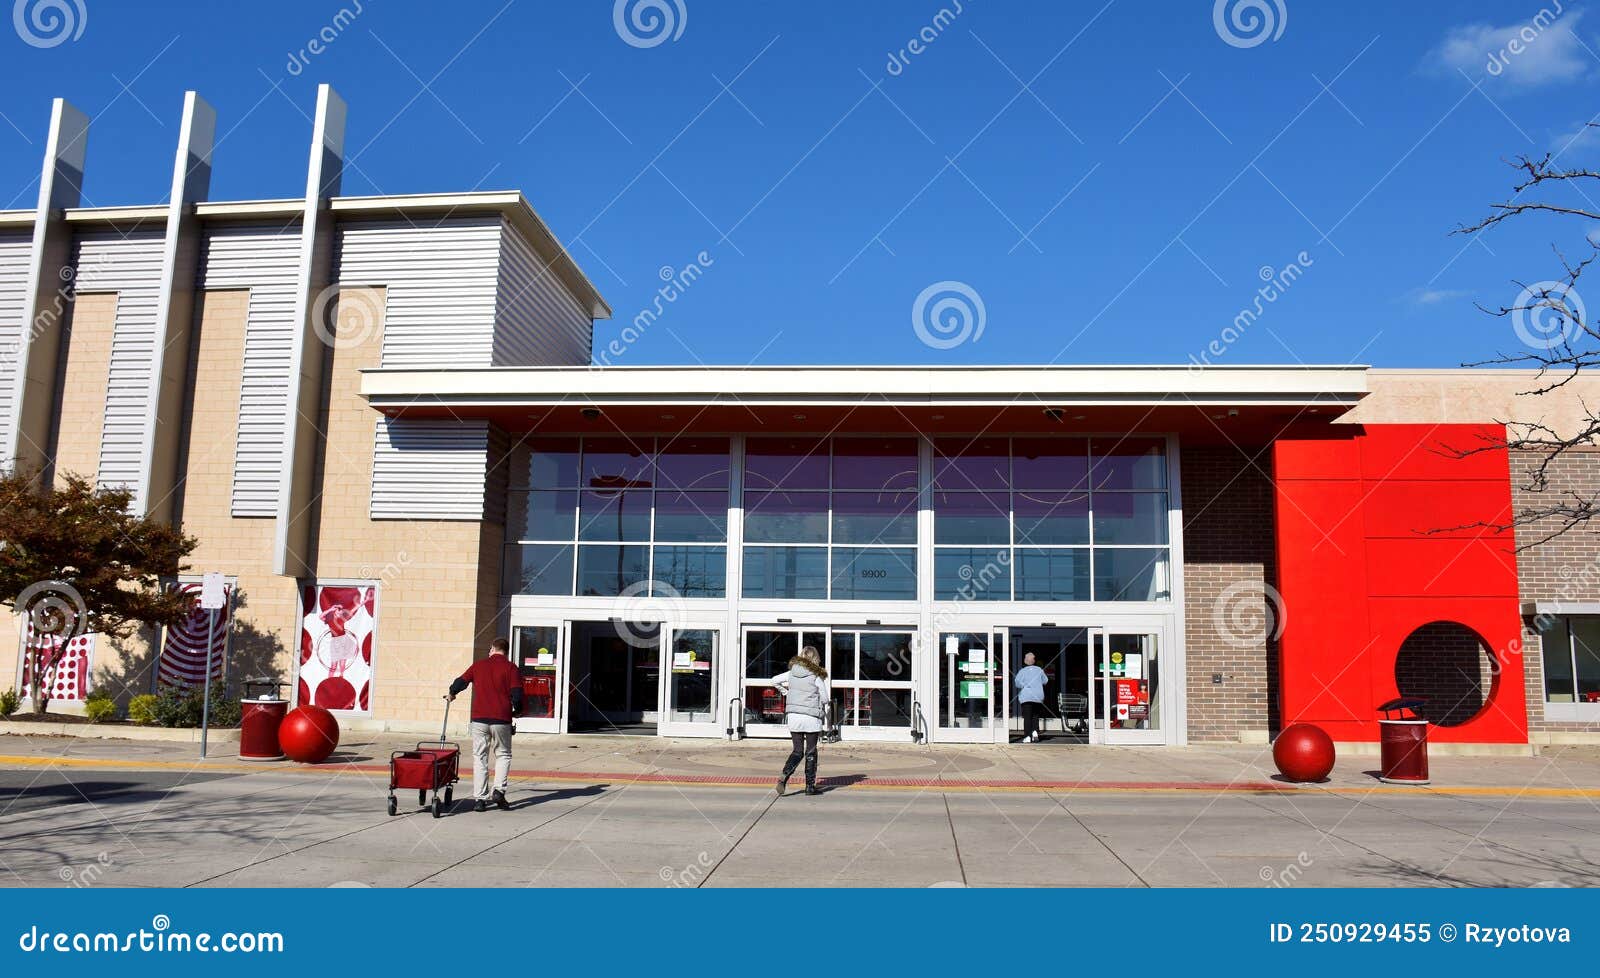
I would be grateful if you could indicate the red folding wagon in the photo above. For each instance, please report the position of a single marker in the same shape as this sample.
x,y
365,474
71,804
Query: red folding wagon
x,y
432,766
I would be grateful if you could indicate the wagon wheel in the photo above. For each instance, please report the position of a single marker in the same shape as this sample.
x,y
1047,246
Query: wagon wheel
x,y
449,794
392,806
438,807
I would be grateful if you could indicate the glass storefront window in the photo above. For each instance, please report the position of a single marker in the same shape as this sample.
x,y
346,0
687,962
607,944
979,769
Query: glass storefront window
x,y
884,656
693,463
1129,463
786,517
972,574
785,572
545,514
1052,518
606,571
537,568
552,463
961,464
1052,575
616,462
692,680
1049,463
692,572
972,518
874,574
875,463
614,516
1130,518
1586,658
874,517
1556,643
785,463
1131,574
691,517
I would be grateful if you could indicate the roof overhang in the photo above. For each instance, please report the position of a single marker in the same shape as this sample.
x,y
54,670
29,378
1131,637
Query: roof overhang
x,y
788,398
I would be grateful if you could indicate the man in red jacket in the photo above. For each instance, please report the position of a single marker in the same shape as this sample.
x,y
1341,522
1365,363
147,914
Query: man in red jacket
x,y
496,698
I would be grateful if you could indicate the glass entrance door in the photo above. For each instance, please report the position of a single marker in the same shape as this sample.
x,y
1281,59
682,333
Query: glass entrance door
x,y
690,658
1127,701
973,703
539,652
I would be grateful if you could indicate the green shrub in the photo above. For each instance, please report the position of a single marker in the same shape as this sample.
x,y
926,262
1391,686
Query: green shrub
x,y
9,701
99,706
177,706
142,710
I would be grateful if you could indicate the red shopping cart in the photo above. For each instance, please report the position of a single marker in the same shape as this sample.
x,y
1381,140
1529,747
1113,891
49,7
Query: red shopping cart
x,y
433,766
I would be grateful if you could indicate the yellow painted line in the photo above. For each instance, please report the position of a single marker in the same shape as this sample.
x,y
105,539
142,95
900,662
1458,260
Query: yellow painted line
x,y
630,780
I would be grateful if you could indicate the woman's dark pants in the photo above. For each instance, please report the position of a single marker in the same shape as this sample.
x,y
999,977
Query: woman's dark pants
x,y
805,746
1031,712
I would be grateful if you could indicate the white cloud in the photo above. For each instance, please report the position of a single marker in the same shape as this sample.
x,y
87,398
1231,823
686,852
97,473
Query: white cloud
x,y
1433,297
1542,50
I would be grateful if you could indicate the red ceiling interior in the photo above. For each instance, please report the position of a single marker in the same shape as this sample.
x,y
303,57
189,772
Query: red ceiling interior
x,y
1253,424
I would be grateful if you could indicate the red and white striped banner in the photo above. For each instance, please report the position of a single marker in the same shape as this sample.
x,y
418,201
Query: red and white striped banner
x,y
183,654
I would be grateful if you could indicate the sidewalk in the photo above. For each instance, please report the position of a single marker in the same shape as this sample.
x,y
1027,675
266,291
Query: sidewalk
x,y
1560,772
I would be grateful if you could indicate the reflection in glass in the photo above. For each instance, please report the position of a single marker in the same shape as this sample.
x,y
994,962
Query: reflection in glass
x,y
875,463
616,462
874,517
538,568
614,516
786,517
1138,574
1052,575
1046,518
541,515
691,572
1049,463
972,574
552,463
692,672
693,463
971,517
960,464
785,572
1130,517
785,463
606,571
691,517
1129,463
877,574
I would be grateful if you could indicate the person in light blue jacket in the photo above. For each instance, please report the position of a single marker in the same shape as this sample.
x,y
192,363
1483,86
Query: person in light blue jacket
x,y
805,688
1029,682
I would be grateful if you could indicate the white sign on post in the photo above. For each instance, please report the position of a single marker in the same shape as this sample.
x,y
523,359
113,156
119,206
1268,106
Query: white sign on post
x,y
212,592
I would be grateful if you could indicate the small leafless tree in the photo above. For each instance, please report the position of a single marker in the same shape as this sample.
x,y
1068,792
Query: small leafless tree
x,y
1559,341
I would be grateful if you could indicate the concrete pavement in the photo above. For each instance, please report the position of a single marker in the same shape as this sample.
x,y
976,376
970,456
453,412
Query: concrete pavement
x,y
122,814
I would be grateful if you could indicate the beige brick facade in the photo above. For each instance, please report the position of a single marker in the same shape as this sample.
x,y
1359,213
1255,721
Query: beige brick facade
x,y
83,400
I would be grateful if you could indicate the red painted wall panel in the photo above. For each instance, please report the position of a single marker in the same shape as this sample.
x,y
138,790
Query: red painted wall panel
x,y
1359,572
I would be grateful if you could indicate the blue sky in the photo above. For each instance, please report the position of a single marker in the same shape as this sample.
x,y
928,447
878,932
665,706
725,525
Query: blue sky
x,y
1111,180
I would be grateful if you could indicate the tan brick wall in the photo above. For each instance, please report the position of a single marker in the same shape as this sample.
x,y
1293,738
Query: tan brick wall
x,y
83,392
436,606
1229,570
263,629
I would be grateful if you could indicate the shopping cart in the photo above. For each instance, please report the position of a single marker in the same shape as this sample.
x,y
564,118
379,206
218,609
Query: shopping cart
x,y
433,766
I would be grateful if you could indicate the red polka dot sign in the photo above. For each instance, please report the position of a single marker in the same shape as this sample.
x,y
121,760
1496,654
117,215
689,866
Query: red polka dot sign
x,y
66,666
337,627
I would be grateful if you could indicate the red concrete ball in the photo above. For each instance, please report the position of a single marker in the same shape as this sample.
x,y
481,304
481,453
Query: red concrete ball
x,y
308,734
1303,752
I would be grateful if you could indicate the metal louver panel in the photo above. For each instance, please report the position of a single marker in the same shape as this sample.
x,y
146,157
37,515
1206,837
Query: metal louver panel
x,y
538,323
263,259
440,279
15,252
129,264
429,469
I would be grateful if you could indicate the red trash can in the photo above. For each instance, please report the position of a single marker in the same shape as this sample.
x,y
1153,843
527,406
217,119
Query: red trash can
x,y
1403,742
259,719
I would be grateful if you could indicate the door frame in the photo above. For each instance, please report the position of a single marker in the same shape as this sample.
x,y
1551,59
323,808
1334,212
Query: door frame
x,y
998,729
666,727
558,722
1103,732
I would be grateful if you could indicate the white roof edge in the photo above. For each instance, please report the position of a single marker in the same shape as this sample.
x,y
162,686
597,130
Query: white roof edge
x,y
1081,384
16,218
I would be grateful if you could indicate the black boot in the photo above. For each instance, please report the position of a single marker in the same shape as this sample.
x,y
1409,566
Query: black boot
x,y
811,774
788,769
